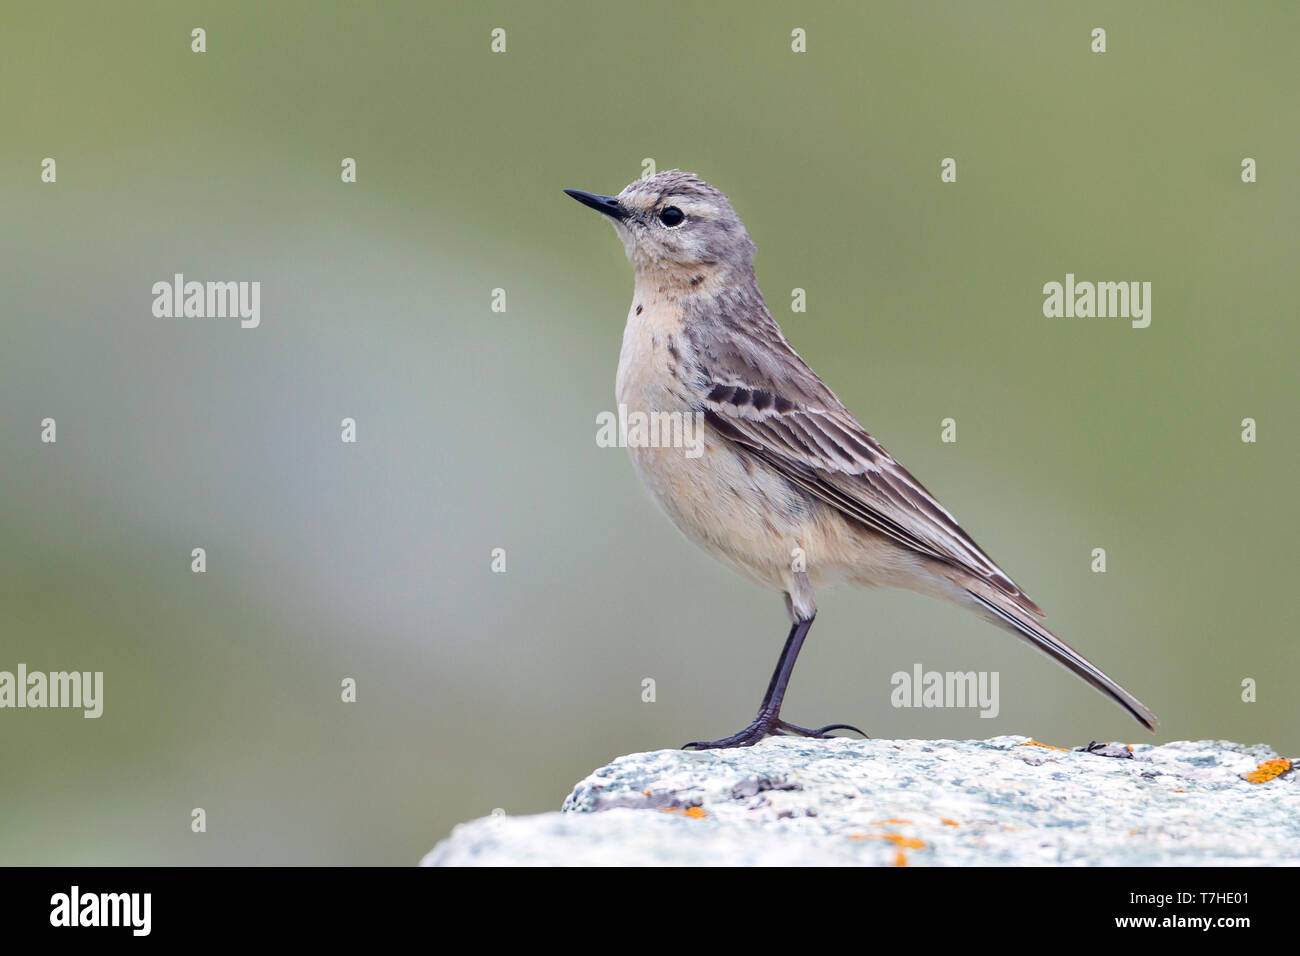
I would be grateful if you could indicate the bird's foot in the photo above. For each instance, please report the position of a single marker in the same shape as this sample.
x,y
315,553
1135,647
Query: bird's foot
x,y
768,725
821,733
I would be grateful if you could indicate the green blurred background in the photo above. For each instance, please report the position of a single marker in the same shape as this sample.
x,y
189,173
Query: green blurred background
x,y
477,429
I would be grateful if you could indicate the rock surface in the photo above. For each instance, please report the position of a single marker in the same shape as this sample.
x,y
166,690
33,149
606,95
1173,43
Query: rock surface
x,y
1005,801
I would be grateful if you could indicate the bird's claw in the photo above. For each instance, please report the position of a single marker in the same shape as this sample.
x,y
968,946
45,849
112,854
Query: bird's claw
x,y
769,727
821,733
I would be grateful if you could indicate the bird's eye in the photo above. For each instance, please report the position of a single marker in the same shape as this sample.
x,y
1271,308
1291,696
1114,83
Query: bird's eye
x,y
672,216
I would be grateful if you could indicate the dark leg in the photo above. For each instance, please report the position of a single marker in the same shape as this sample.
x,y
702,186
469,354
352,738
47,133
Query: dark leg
x,y
769,722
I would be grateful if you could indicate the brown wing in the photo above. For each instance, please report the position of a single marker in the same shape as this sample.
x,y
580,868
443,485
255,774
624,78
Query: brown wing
x,y
766,399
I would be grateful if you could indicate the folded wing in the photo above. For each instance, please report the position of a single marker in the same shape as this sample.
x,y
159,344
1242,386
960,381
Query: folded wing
x,y
768,401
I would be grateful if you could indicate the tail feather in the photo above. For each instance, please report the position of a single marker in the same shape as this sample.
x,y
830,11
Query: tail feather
x,y
1020,622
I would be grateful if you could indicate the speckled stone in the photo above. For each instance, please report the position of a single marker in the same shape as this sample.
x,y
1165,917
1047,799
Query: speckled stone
x,y
1006,801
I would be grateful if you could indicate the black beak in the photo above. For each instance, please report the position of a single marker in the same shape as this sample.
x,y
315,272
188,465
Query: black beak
x,y
606,204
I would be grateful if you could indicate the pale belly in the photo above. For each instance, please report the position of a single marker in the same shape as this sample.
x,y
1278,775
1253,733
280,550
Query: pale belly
x,y
729,503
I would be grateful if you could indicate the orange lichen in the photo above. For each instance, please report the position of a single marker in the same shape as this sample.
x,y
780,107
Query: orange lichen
x,y
1180,791
900,859
695,813
908,842
877,823
1269,770
895,838
1039,743
949,823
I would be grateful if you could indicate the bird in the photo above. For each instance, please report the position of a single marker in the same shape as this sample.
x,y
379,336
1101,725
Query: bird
x,y
786,488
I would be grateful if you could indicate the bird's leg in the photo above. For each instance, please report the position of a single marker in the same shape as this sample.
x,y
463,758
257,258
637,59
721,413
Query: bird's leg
x,y
769,722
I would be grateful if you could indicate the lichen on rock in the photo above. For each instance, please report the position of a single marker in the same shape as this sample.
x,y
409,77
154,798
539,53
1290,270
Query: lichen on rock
x,y
1005,801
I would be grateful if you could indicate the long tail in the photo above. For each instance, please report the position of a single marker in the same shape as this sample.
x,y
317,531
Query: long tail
x,y
1017,619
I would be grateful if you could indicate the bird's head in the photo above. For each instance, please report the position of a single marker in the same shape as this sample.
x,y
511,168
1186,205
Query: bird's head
x,y
675,222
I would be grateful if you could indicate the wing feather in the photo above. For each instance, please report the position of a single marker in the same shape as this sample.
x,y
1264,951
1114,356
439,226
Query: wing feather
x,y
821,448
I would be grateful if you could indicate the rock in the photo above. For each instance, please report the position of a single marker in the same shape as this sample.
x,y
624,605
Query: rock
x,y
1006,801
